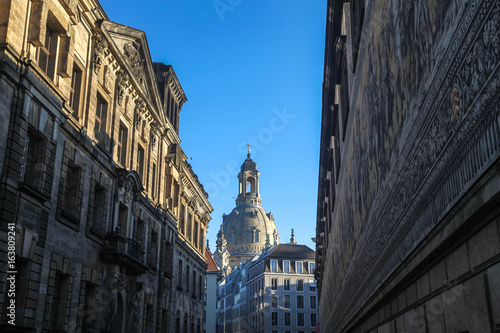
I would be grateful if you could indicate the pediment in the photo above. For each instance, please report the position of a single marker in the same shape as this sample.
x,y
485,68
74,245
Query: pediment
x,y
133,50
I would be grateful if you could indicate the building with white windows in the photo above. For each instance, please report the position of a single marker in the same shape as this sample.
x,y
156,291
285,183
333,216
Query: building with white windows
x,y
274,292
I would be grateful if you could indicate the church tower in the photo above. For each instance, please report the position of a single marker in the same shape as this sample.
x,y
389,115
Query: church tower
x,y
248,229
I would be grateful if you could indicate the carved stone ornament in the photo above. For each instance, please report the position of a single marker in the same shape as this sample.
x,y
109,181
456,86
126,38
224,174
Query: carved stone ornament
x,y
125,192
123,81
134,59
100,46
138,121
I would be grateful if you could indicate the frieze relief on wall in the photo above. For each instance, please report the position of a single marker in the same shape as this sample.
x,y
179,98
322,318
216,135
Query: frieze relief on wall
x,y
453,123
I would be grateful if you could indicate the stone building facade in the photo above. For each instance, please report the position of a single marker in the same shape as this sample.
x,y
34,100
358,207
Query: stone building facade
x,y
409,184
109,218
272,292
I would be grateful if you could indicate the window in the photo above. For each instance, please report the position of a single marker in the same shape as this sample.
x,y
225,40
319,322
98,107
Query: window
x,y
256,236
187,279
101,114
313,319
231,237
274,266
274,318
274,283
139,165
300,319
300,285
313,302
194,284
311,268
300,301
286,284
298,267
122,144
179,282
89,307
286,301
274,301
33,164
59,300
153,182
286,266
75,90
288,321
71,200
312,286
98,207
46,54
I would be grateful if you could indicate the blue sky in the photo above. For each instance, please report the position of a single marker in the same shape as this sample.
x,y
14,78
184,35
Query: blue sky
x,y
252,71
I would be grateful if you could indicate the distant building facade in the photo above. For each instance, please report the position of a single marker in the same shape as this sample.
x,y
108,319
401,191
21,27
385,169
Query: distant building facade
x,y
409,184
273,292
109,218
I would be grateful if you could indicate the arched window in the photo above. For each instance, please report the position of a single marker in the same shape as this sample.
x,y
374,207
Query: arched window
x,y
256,236
231,237
250,185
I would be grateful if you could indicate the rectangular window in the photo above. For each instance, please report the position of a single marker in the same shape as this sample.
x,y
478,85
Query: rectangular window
x,y
300,301
274,283
153,182
286,301
179,281
274,266
139,165
101,114
33,164
286,266
122,145
187,279
46,54
274,301
71,200
274,318
300,319
311,268
194,284
89,307
75,90
313,319
298,267
300,285
286,284
98,207
59,298
312,286
288,321
313,302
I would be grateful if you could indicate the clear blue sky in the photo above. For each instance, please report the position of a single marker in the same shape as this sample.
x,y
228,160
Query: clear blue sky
x,y
252,71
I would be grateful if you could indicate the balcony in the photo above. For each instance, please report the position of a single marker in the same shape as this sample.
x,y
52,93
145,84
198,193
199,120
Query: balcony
x,y
125,252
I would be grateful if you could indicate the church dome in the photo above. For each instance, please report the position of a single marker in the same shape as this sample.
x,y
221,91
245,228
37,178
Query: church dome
x,y
248,229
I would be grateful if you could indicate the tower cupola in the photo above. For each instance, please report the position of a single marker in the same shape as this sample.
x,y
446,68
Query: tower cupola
x,y
249,183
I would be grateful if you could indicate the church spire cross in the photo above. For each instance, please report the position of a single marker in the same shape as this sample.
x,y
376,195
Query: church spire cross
x,y
248,155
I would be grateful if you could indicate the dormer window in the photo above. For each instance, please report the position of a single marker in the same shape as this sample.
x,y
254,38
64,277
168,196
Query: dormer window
x,y
231,237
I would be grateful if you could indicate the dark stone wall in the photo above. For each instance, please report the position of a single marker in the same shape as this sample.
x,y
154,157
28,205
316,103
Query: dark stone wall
x,y
418,176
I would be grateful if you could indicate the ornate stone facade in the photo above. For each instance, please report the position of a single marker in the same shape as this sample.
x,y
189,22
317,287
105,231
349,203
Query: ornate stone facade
x,y
407,228
105,209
